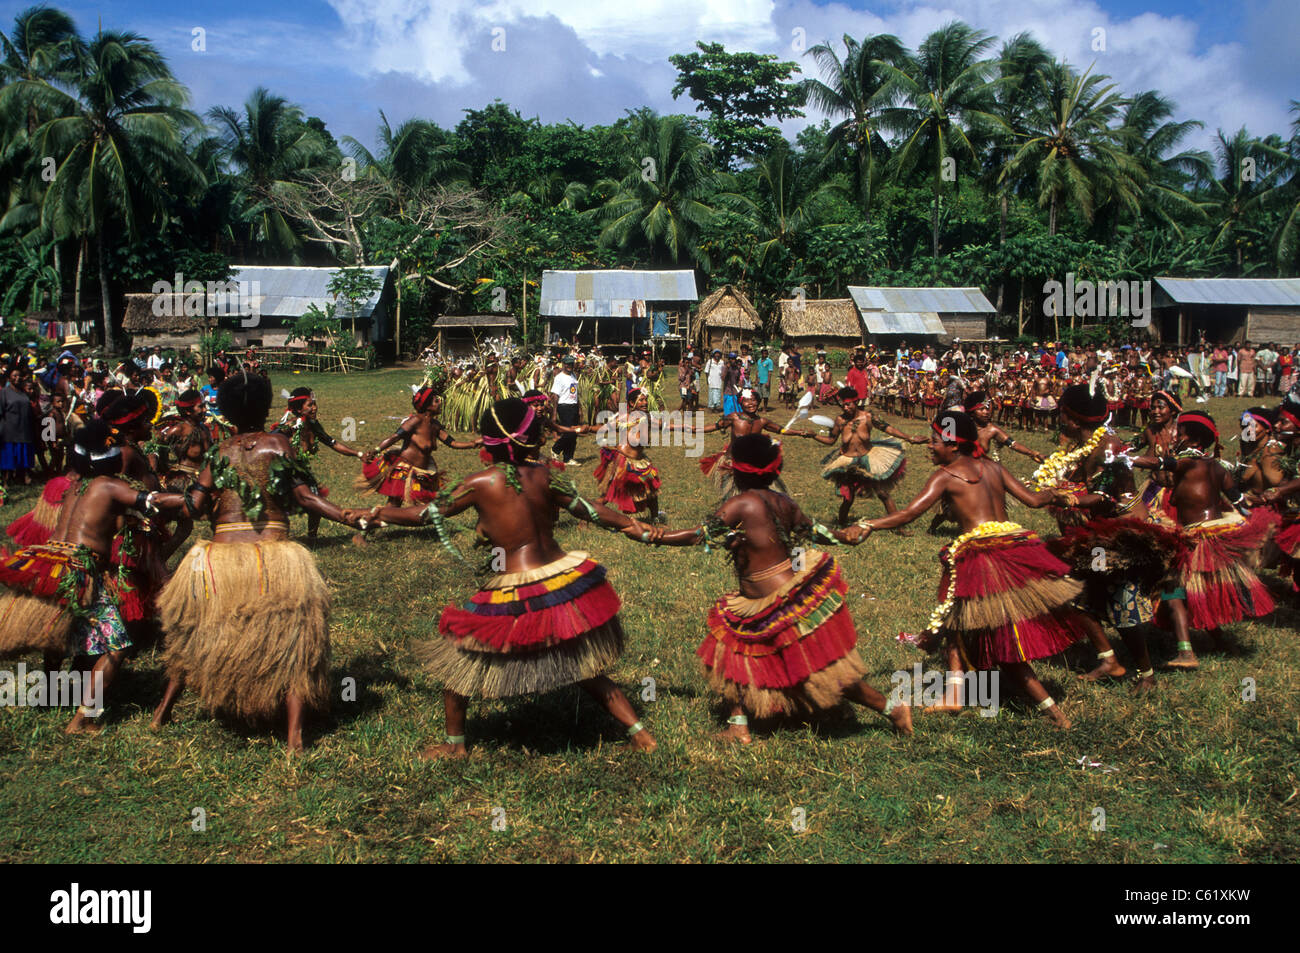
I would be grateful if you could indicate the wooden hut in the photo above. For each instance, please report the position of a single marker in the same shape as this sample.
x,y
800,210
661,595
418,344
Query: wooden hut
x,y
459,334
727,320
821,322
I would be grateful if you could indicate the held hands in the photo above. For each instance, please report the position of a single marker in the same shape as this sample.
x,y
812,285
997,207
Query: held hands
x,y
642,533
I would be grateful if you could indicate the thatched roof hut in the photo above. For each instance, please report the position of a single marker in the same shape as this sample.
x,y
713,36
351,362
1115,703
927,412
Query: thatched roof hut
x,y
727,319
822,322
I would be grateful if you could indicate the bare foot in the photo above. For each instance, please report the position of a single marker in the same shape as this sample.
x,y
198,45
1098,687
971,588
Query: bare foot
x,y
1183,662
903,532
83,726
1057,717
642,741
295,744
901,717
1144,685
735,734
444,750
1106,668
359,540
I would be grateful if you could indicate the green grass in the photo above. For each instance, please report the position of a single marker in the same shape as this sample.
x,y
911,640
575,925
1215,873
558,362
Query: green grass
x,y
1207,775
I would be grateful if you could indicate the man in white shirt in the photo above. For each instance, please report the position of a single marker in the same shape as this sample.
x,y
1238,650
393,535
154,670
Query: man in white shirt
x,y
564,402
713,370
928,363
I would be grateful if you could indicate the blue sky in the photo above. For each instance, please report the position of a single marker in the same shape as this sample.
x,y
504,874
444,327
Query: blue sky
x,y
1228,64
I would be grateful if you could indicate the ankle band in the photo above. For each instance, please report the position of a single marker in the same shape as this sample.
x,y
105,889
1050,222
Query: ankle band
x,y
1147,674
1109,653
1046,703
739,721
634,728
1184,646
455,739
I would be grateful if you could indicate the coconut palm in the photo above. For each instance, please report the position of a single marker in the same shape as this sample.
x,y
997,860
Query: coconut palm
x,y
858,88
1148,134
1239,191
661,203
416,154
1071,149
947,89
116,130
268,146
1288,232
1016,92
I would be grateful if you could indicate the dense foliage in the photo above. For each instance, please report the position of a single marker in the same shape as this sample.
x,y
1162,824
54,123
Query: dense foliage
x,y
960,162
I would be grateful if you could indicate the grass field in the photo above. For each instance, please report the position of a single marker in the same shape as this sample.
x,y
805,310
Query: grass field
x,y
1199,774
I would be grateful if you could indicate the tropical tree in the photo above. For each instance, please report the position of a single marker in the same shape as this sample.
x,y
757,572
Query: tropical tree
x,y
117,131
661,202
947,90
1071,149
857,87
416,154
1148,134
269,147
1239,191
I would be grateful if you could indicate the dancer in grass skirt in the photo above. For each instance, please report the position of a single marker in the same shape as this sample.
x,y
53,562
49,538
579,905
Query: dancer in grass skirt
x,y
59,597
550,618
863,465
784,643
1216,571
1004,599
246,614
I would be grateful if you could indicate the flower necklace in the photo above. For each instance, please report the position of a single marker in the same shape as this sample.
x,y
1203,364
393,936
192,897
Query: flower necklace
x,y
941,611
1053,471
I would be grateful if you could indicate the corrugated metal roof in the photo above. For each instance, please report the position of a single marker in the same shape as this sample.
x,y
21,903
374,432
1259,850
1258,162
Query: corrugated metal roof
x,y
921,300
1283,292
287,291
903,322
611,293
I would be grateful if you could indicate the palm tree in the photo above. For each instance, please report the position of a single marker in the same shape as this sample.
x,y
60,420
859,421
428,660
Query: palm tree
x,y
1016,92
42,46
268,146
858,89
783,211
661,203
1072,150
1240,190
117,132
1147,133
1289,230
416,154
947,88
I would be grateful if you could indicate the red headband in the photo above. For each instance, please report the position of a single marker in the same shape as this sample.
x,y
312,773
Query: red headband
x,y
193,402
423,396
977,452
1289,416
1168,398
771,469
133,415
1194,417
300,400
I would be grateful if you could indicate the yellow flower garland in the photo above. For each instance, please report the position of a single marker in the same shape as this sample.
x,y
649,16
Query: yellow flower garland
x,y
994,528
1054,469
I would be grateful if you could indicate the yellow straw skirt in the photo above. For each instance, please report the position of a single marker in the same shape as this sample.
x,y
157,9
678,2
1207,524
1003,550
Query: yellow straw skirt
x,y
246,624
